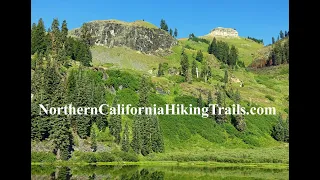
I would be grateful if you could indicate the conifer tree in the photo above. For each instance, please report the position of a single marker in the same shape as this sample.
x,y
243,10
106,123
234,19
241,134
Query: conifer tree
x,y
170,31
156,136
125,139
60,132
184,62
210,101
55,36
194,69
160,70
38,40
93,137
64,32
273,41
175,33
281,34
199,56
115,123
136,135
225,79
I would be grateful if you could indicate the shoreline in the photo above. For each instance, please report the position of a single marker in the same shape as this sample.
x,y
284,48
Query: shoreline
x,y
171,163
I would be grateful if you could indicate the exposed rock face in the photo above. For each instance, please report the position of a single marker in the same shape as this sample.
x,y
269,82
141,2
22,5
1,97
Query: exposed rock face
x,y
224,32
116,33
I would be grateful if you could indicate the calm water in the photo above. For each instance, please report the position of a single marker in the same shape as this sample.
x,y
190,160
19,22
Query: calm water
x,y
134,172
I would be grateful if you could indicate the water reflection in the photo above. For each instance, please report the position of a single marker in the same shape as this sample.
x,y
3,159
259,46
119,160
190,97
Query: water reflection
x,y
134,172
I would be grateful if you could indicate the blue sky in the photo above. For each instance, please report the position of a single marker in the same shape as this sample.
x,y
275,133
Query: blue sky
x,y
261,19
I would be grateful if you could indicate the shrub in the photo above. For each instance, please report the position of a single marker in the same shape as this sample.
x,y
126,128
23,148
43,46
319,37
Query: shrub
x,y
105,157
42,157
127,156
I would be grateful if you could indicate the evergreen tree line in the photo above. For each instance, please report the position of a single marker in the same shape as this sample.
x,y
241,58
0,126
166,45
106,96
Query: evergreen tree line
x,y
223,52
55,41
84,88
164,26
192,37
147,136
205,72
279,54
260,41
280,36
238,121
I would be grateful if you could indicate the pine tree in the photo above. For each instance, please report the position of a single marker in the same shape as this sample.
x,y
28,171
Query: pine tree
x,y
199,56
184,62
210,101
281,34
55,36
175,33
285,33
93,137
220,118
33,37
64,32
273,41
83,98
233,57
225,79
160,70
125,139
39,40
60,133
170,31
156,136
205,71
278,38
136,135
146,144
115,123
163,25
194,69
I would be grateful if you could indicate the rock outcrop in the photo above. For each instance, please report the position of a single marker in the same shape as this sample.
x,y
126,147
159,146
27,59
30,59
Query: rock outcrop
x,y
224,32
142,36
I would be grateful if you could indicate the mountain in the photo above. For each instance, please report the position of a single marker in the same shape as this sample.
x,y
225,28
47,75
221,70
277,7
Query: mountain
x,y
123,53
138,35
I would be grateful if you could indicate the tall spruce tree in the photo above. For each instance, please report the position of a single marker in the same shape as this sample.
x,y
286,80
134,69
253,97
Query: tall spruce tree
x,y
156,136
220,116
55,36
38,41
125,139
60,132
281,34
115,123
175,34
170,32
93,137
273,41
194,69
226,78
200,101
199,56
64,32
184,62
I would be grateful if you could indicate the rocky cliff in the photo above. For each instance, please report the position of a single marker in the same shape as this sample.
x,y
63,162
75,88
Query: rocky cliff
x,y
139,35
223,32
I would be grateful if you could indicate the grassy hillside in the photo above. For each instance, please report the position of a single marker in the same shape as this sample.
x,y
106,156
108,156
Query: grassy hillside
x,y
190,134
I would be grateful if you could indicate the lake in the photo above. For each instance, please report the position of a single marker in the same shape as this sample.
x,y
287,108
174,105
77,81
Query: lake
x,y
135,172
